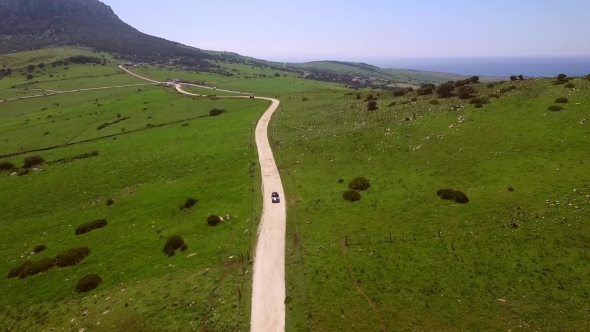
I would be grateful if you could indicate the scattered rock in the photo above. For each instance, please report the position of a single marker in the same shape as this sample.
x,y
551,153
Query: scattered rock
x,y
191,255
106,312
461,119
502,300
175,304
85,313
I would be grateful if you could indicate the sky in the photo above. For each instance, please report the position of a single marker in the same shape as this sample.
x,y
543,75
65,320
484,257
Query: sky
x,y
305,30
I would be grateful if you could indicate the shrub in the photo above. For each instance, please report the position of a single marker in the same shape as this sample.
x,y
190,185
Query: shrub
x,y
36,268
190,203
510,189
461,83
351,196
414,99
174,243
6,165
304,99
520,77
555,108
480,100
398,92
513,77
18,270
570,86
562,77
445,90
507,89
372,105
110,202
561,100
494,95
465,92
216,111
72,256
478,105
360,183
184,125
452,195
88,283
39,249
83,229
340,180
424,91
491,85
369,97
23,172
213,220
31,161
434,102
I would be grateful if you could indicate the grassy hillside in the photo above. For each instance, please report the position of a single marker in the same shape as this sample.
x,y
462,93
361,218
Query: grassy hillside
x,y
149,150
515,255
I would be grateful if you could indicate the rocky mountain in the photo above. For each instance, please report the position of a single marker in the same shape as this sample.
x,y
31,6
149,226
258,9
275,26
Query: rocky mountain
x,y
33,24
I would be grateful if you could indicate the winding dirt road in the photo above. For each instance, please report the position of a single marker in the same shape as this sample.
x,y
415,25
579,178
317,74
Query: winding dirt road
x,y
268,290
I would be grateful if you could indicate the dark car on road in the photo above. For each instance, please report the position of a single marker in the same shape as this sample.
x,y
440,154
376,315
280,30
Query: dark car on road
x,y
275,197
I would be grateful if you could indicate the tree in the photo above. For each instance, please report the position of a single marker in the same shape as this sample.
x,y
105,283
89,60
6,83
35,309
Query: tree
x,y
473,79
277,75
41,65
520,77
398,92
30,77
461,83
30,68
465,92
561,77
372,105
513,77
446,89
424,91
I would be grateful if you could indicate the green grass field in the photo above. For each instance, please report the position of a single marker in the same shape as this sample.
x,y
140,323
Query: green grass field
x,y
149,164
399,259
426,263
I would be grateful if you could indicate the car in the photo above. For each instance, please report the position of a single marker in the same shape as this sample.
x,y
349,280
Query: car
x,y
275,197
251,96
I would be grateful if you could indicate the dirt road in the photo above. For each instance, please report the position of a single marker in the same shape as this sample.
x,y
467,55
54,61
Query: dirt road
x,y
268,289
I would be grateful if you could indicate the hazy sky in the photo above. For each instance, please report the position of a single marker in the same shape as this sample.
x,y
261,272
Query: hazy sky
x,y
345,29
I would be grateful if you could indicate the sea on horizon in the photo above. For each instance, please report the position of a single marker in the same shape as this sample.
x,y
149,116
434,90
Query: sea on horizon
x,y
492,66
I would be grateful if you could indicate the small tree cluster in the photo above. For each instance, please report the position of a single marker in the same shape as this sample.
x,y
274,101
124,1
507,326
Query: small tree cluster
x,y
360,183
175,242
39,249
351,196
517,78
399,92
216,111
6,166
88,283
31,161
372,105
72,256
426,89
561,100
189,203
465,92
85,228
213,220
555,108
445,90
453,195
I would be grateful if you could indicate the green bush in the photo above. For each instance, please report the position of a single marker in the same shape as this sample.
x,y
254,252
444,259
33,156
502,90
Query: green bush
x,y
39,249
513,77
37,267
18,270
110,202
570,86
88,283
391,104
465,92
351,196
398,92
480,100
561,100
174,243
360,183
478,105
507,89
414,99
190,203
6,165
72,256
425,90
216,111
213,220
445,90
372,105
31,161
453,195
83,229
555,108
510,189
434,102
494,95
